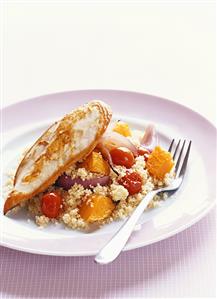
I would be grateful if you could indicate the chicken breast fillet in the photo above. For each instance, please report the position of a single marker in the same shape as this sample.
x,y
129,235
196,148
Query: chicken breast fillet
x,y
64,143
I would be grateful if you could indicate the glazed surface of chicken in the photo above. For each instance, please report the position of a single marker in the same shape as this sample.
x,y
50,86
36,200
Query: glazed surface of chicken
x,y
63,144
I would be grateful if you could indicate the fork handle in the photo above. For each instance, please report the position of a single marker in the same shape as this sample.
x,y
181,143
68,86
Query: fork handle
x,y
115,245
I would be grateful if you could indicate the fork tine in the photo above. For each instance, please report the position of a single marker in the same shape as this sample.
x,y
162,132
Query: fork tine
x,y
177,147
185,161
171,145
179,158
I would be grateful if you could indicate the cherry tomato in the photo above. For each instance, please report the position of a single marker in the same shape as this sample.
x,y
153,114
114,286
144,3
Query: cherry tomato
x,y
144,152
132,182
51,204
122,156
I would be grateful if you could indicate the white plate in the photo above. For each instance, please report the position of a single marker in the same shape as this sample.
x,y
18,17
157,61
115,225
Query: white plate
x,y
25,121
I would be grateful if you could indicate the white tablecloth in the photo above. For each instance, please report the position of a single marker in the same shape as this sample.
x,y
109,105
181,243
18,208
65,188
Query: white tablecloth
x,y
165,49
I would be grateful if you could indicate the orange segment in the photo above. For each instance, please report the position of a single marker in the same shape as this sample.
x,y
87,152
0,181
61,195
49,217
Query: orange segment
x,y
122,128
96,207
159,163
95,163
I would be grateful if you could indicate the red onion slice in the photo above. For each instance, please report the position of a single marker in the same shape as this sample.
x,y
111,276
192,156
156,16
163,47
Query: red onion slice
x,y
66,182
107,156
149,139
105,152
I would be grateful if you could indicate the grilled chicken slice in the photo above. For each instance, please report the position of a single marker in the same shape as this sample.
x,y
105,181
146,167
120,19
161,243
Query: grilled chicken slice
x,y
64,143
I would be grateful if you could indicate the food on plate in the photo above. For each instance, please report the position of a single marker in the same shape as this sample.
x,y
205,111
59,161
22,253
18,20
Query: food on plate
x,y
96,207
64,143
122,128
87,170
122,156
132,181
159,163
51,204
66,182
95,163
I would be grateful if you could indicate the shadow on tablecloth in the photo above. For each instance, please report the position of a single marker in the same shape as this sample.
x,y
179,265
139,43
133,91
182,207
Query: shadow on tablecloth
x,y
158,270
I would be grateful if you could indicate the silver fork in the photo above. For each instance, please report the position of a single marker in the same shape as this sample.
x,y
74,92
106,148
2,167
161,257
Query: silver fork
x,y
115,245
